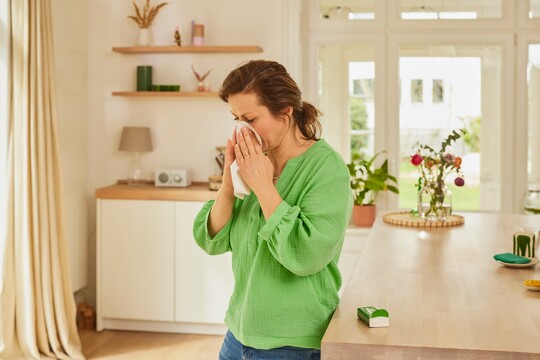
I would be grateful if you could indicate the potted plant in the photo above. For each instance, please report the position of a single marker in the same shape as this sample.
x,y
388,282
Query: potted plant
x,y
367,181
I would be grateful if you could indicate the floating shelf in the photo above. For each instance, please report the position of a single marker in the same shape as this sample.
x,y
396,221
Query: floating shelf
x,y
165,94
187,49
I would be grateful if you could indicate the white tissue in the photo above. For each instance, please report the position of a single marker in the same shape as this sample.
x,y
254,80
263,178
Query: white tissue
x,y
241,189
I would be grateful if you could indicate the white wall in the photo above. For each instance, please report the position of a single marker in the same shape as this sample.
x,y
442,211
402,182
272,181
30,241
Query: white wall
x,y
185,130
70,37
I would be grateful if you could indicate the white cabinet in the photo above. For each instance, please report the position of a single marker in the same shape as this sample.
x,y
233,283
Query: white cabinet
x,y
355,239
137,259
203,283
152,276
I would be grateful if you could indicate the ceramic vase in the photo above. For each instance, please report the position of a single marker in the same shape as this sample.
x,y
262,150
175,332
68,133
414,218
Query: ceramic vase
x,y
145,37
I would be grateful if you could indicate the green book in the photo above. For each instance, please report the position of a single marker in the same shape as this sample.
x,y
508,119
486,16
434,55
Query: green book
x,y
373,316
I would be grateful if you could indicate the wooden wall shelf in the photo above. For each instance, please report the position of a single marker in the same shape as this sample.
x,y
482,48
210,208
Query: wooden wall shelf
x,y
187,49
165,94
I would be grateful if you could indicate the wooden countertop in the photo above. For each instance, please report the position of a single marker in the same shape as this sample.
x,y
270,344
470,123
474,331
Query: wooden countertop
x,y
195,192
446,295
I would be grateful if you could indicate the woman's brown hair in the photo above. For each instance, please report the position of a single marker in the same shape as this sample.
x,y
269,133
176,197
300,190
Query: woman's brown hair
x,y
276,90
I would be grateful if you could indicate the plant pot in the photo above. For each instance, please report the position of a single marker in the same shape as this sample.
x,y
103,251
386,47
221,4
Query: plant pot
x,y
364,215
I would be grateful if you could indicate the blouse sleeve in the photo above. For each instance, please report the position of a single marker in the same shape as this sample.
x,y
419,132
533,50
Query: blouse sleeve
x,y
216,245
306,236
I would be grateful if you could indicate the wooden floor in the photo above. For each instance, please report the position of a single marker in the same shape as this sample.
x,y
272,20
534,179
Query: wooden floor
x,y
111,344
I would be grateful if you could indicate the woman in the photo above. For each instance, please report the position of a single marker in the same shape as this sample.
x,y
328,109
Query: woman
x,y
286,236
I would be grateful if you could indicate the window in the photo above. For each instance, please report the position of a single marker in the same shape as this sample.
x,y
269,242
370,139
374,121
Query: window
x,y
361,107
417,91
534,9
437,93
533,85
357,10
469,74
450,10
452,67
348,95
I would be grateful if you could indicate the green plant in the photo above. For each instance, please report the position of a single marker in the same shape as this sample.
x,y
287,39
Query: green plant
x,y
367,180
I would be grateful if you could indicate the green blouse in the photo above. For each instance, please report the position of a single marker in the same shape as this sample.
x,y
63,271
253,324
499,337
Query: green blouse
x,y
285,269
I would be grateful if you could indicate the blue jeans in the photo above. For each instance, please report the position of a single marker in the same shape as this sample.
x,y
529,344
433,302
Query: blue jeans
x,y
233,349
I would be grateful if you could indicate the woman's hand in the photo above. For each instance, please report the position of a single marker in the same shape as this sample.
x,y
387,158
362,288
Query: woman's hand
x,y
255,167
229,158
223,206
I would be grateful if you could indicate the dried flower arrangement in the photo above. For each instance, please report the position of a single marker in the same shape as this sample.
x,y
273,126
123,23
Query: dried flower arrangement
x,y
145,17
199,76
200,79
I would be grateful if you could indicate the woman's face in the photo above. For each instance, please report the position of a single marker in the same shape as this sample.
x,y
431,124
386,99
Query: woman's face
x,y
246,107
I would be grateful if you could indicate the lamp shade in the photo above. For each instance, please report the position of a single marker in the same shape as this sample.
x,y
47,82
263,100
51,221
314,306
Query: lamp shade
x,y
135,138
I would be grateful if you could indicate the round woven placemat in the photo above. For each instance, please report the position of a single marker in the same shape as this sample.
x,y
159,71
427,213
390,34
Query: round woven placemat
x,y
405,218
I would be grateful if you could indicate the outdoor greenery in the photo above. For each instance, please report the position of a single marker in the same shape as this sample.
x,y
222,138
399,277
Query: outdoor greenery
x,y
359,118
472,135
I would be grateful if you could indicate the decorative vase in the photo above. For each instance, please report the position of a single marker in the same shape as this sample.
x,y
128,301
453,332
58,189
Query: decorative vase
x,y
364,215
203,85
434,201
145,37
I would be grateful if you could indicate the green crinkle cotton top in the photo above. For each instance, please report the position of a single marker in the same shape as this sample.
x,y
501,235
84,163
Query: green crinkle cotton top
x,y
285,269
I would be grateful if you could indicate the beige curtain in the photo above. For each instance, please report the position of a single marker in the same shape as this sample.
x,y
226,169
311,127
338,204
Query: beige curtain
x,y
38,314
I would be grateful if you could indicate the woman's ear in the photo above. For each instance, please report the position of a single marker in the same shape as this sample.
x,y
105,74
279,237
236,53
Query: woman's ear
x,y
288,110
287,113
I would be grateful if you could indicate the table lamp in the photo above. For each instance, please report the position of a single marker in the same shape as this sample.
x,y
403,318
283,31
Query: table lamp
x,y
137,140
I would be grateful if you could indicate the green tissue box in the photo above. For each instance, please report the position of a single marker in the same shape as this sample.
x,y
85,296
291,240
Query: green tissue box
x,y
373,316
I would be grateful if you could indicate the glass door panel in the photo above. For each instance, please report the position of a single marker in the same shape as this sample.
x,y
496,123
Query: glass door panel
x,y
534,9
361,77
347,9
347,98
533,141
450,9
445,88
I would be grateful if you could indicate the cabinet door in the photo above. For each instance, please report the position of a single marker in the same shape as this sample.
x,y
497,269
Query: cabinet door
x,y
352,248
204,283
137,252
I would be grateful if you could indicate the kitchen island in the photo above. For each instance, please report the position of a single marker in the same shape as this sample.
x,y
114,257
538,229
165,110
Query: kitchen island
x,y
446,295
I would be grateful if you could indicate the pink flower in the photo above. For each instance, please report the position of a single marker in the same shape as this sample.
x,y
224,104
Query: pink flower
x,y
449,158
416,159
459,181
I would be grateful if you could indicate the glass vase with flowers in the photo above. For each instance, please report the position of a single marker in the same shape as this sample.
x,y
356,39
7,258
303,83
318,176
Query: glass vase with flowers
x,y
434,197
